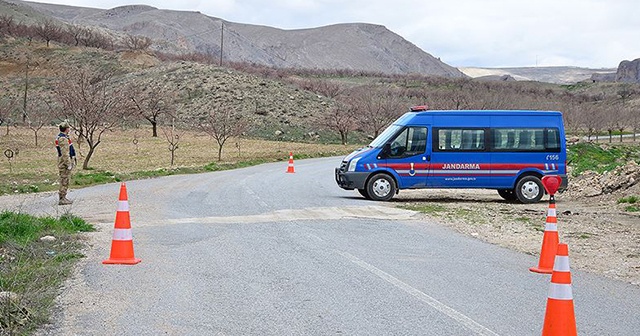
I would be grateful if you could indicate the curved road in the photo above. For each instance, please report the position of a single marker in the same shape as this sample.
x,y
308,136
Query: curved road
x,y
256,251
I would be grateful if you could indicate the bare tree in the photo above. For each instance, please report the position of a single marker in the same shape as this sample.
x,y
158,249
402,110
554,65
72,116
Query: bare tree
x,y
376,107
222,122
137,42
76,33
151,101
173,136
324,87
608,118
621,119
634,121
342,118
40,114
94,39
93,104
8,105
6,25
591,120
48,31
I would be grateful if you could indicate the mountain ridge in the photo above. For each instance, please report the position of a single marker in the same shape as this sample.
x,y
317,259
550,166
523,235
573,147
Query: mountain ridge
x,y
353,46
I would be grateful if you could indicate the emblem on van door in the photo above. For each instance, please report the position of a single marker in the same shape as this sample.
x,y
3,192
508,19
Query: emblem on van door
x,y
412,171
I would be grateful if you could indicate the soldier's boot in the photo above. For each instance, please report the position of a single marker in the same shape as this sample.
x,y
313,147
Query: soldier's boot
x,y
64,200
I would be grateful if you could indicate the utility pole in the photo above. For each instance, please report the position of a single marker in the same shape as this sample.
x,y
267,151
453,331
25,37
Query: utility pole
x,y
221,40
26,89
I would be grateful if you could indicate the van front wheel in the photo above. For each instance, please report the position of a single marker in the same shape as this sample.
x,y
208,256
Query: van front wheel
x,y
381,187
529,189
364,193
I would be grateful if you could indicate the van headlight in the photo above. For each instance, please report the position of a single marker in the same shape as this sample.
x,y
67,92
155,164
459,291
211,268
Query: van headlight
x,y
352,164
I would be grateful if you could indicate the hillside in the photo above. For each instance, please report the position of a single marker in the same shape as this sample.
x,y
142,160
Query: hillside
x,y
353,46
275,110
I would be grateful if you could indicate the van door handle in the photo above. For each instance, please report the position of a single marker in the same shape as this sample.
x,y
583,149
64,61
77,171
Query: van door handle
x,y
426,158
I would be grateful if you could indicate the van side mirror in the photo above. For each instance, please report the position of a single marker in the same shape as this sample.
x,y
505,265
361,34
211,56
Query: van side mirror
x,y
384,153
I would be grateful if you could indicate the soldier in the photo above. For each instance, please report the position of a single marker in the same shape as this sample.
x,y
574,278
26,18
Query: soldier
x,y
66,161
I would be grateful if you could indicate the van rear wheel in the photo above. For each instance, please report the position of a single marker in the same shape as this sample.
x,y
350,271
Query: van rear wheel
x,y
529,189
381,187
507,194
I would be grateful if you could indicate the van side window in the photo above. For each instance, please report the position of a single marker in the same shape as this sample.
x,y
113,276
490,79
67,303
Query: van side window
x,y
525,139
411,141
459,139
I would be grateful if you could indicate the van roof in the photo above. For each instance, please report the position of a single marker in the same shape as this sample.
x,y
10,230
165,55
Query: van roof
x,y
487,112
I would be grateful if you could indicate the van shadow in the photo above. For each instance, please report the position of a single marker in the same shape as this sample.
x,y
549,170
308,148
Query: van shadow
x,y
437,199
450,199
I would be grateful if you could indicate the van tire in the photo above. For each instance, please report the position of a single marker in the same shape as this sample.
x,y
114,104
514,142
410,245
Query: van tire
x,y
364,193
529,189
381,187
507,194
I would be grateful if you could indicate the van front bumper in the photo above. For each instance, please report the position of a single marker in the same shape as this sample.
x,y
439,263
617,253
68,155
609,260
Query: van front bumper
x,y
351,180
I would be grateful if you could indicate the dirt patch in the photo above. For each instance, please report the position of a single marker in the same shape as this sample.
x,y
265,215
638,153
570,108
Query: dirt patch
x,y
603,234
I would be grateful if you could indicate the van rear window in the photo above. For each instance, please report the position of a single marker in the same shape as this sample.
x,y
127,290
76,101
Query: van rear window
x,y
501,139
525,139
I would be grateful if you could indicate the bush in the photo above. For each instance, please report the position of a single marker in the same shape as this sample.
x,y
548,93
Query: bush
x,y
629,199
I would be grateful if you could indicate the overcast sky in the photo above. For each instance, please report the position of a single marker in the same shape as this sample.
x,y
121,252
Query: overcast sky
x,y
484,33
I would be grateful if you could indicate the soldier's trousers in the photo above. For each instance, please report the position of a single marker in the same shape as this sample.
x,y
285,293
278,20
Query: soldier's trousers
x,y
65,174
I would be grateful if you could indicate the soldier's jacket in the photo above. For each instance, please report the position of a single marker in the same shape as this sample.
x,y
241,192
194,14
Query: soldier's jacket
x,y
66,153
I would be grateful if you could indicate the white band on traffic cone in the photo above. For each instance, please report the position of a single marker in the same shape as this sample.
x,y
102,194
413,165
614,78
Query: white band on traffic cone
x,y
122,234
551,212
551,227
561,264
123,205
560,292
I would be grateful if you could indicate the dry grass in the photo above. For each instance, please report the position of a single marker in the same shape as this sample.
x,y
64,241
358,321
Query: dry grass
x,y
34,168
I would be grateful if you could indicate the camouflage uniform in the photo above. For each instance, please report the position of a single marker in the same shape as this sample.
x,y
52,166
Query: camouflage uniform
x,y
66,162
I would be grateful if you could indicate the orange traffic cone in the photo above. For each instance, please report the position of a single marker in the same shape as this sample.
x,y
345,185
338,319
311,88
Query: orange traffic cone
x,y
122,243
549,241
559,318
290,168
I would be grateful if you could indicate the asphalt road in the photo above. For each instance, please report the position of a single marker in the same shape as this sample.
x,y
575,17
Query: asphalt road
x,y
256,251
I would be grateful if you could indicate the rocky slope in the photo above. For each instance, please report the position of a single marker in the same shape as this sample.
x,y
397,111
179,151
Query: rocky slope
x,y
629,71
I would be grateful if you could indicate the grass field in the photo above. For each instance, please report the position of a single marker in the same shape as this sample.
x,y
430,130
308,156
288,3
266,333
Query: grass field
x,y
133,154
31,269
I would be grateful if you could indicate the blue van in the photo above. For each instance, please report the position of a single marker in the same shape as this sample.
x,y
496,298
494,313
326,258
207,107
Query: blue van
x,y
509,151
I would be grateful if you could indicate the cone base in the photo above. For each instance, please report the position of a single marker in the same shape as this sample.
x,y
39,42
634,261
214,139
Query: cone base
x,y
132,261
541,270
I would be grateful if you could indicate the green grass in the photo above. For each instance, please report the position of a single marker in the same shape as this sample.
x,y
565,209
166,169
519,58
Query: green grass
x,y
629,199
35,269
632,208
589,156
426,208
537,227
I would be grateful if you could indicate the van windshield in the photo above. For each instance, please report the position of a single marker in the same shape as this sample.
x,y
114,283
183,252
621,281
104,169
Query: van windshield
x,y
385,136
